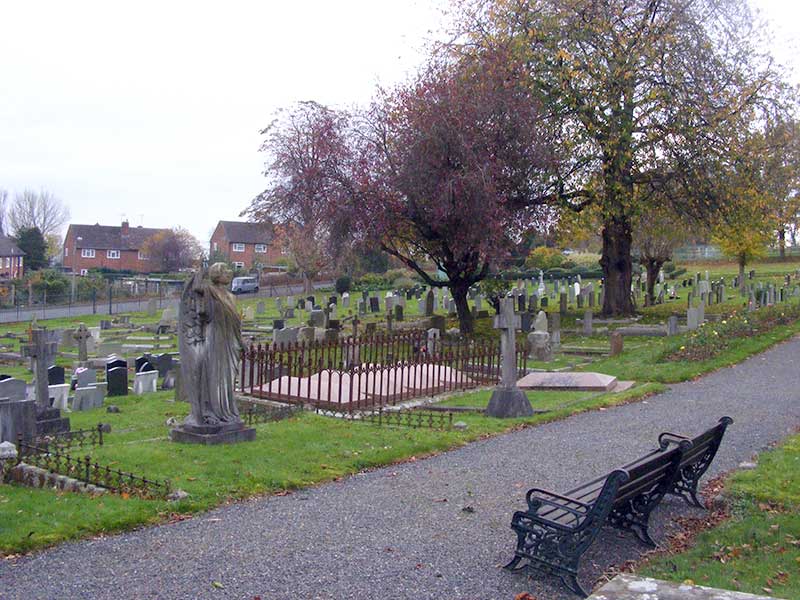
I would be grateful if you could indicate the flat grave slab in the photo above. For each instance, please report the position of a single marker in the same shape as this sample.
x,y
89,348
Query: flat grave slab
x,y
568,381
629,587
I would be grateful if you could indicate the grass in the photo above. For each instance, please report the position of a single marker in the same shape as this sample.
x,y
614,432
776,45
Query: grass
x,y
758,550
295,453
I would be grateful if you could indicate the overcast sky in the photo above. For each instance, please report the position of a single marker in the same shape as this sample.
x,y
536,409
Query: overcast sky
x,y
151,110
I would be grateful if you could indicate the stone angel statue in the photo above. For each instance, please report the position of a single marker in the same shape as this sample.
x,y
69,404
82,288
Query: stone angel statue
x,y
209,341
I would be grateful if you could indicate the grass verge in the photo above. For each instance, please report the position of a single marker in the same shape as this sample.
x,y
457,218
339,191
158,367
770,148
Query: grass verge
x,y
758,549
295,453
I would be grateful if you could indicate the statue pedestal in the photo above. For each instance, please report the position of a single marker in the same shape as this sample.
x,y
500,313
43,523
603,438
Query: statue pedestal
x,y
509,402
232,433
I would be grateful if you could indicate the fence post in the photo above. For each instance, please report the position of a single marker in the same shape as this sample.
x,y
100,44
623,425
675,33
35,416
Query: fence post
x,y
88,460
100,433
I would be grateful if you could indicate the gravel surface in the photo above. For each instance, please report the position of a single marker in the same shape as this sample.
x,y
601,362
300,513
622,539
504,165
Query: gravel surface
x,y
402,531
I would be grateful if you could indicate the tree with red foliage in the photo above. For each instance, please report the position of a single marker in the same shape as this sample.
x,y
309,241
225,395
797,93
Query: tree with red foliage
x,y
306,145
439,169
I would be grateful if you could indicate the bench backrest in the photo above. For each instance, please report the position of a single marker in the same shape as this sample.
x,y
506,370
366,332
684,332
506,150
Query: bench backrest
x,y
704,446
653,477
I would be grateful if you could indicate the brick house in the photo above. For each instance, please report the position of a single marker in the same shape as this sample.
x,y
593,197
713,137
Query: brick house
x,y
245,244
107,246
11,259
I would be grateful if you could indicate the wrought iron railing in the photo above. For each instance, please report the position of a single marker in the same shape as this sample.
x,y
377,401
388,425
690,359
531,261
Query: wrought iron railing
x,y
86,471
66,440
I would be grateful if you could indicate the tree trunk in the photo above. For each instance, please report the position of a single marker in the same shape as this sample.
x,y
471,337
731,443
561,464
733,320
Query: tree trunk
x,y
782,242
308,286
617,267
653,267
465,320
742,283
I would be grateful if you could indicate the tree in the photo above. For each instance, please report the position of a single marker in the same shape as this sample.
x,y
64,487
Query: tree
x,y
658,231
43,211
439,165
306,145
3,211
781,175
173,249
645,93
32,243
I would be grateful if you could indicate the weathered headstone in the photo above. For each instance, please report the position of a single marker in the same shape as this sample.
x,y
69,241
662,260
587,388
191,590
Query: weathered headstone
x,y
540,346
429,303
555,330
55,375
152,307
540,324
507,399
81,336
617,341
672,325
42,350
261,308
59,395
691,319
587,322
145,382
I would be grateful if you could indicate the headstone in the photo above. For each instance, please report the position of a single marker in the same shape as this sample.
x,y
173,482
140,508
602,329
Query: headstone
x,y
374,304
562,304
672,325
17,418
346,300
14,389
249,313
81,336
117,380
398,313
162,363
432,346
507,399
55,375
533,304
540,324
90,397
83,377
616,341
170,381
587,322
692,321
152,307
540,347
278,324
43,352
145,382
555,330
429,297
316,318
261,308
59,394
140,363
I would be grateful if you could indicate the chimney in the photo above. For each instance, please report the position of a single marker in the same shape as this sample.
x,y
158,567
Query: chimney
x,y
125,228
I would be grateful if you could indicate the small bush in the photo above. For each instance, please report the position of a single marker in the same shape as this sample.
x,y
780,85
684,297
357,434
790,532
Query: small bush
x,y
544,258
343,284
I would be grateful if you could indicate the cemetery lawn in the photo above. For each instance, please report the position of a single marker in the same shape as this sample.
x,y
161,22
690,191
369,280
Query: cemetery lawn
x,y
758,549
646,363
302,451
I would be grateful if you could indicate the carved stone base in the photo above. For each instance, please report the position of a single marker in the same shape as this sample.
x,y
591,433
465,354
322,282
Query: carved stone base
x,y
50,420
213,434
508,403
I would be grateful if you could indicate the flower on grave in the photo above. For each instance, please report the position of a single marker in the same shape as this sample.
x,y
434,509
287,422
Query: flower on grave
x,y
715,333
683,348
724,321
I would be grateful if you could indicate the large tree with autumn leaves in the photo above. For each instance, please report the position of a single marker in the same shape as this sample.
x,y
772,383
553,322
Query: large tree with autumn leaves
x,y
645,95
439,168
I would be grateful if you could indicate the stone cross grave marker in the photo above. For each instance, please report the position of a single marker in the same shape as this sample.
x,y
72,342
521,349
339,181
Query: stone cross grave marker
x,y
43,352
81,335
507,399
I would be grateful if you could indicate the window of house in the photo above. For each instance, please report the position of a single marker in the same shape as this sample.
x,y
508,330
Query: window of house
x,y
8,262
66,251
143,256
112,254
239,265
19,261
87,253
261,248
216,247
238,247
84,271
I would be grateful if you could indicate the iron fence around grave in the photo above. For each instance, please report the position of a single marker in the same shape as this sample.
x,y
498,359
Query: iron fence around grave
x,y
365,373
84,470
66,440
417,419
254,413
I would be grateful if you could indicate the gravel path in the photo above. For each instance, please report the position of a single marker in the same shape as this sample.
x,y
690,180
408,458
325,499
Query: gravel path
x,y
401,532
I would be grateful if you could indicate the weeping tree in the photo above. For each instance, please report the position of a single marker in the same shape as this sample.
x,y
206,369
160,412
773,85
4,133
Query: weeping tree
x,y
437,169
644,94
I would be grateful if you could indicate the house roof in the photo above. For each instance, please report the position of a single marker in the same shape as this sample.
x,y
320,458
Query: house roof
x,y
247,233
9,248
110,237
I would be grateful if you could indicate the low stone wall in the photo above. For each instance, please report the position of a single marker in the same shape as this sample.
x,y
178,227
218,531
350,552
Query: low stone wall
x,y
39,478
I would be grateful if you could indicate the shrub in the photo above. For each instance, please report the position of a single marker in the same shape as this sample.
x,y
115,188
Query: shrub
x,y
343,284
590,260
544,258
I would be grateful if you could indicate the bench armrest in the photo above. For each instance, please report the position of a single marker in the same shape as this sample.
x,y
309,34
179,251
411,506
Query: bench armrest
x,y
666,438
537,496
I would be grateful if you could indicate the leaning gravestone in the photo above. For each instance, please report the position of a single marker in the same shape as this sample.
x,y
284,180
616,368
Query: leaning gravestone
x,y
145,382
507,399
